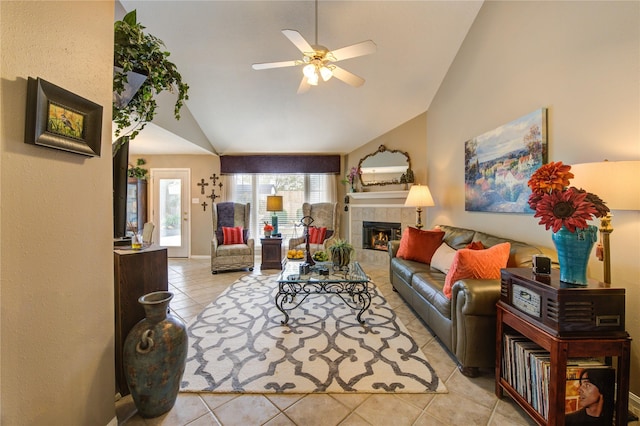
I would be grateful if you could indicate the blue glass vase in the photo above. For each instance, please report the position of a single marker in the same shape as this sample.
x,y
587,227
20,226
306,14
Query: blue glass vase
x,y
573,250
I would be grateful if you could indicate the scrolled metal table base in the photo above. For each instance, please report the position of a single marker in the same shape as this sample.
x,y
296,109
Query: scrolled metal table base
x,y
354,294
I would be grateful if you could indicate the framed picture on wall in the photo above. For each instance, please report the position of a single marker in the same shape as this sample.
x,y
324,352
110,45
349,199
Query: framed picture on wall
x,y
57,118
499,163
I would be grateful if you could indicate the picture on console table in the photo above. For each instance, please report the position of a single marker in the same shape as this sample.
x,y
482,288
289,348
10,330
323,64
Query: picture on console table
x,y
499,163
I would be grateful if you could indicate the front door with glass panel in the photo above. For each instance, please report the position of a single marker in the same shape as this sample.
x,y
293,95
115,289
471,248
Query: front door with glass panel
x,y
171,210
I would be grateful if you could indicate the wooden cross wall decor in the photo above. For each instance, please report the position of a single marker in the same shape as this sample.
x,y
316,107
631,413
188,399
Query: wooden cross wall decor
x,y
214,178
204,206
202,184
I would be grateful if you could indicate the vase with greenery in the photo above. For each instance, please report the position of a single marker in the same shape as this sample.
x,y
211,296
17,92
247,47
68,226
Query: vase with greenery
x,y
137,171
136,51
341,252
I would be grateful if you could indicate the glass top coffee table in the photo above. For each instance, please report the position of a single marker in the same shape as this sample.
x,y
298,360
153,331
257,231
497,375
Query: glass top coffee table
x,y
297,282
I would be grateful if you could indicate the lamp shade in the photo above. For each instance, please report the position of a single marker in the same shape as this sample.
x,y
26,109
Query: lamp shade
x,y
615,182
419,196
274,203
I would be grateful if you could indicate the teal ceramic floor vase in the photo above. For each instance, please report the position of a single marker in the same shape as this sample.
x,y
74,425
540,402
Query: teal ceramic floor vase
x,y
574,249
154,356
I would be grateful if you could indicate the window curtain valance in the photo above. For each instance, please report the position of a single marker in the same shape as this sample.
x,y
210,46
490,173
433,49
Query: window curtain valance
x,y
232,164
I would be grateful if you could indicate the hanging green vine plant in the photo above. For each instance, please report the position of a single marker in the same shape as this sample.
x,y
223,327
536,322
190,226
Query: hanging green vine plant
x,y
138,171
145,54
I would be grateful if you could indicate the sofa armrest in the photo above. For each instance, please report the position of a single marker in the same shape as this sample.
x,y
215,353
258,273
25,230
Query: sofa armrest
x,y
214,246
473,306
294,242
393,247
477,297
329,242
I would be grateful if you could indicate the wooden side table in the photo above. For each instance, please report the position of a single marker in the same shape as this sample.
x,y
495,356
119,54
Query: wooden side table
x,y
271,253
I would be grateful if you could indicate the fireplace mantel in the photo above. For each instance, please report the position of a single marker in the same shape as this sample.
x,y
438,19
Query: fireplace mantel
x,y
378,194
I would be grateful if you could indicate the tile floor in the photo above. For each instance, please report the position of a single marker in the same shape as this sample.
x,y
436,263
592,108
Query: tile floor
x,y
469,401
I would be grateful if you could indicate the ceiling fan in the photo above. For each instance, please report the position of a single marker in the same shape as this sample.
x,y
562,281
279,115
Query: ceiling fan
x,y
319,61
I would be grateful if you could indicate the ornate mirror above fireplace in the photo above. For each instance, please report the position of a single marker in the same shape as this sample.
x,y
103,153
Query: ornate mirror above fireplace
x,y
385,167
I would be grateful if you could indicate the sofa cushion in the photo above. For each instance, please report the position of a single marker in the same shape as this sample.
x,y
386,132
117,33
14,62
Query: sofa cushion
x,y
443,258
520,255
419,245
406,268
456,237
233,250
478,264
429,285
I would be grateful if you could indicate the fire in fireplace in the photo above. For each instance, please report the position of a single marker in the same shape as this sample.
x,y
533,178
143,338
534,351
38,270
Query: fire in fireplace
x,y
376,235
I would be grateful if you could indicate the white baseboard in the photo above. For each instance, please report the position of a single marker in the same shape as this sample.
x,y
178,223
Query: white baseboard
x,y
200,256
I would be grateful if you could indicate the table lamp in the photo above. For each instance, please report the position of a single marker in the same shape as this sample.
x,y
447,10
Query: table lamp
x,y
419,196
617,184
274,204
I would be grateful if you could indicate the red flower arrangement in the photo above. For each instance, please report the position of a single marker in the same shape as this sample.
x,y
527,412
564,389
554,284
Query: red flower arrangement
x,y
557,204
268,227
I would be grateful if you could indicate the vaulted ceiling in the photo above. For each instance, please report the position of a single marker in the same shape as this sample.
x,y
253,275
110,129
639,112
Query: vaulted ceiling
x,y
234,109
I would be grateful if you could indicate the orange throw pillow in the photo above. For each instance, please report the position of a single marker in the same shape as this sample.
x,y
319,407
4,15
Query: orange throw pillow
x,y
419,245
232,235
477,264
317,235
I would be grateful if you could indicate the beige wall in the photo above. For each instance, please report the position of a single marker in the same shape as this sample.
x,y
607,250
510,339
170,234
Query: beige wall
x,y
409,137
202,167
56,258
581,60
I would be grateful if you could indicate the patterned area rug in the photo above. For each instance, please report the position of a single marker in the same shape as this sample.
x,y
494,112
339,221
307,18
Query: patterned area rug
x,y
238,344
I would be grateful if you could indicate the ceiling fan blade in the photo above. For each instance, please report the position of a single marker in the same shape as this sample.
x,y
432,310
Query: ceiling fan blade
x,y
359,49
304,86
268,65
297,39
347,77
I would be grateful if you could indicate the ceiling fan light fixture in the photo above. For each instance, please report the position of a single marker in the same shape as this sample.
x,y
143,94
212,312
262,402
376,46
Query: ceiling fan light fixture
x,y
309,71
326,73
313,80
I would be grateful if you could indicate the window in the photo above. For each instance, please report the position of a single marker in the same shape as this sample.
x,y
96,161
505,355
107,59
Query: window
x,y
295,190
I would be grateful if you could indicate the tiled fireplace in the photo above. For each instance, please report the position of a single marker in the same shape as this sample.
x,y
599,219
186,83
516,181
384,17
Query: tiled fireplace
x,y
359,214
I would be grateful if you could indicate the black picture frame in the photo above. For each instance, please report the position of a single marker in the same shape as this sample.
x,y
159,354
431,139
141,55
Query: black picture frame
x,y
59,119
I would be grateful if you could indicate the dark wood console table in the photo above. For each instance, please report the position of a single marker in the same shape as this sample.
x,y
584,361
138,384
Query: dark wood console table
x,y
136,273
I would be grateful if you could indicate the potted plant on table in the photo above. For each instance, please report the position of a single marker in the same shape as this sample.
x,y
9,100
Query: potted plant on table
x,y
341,252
